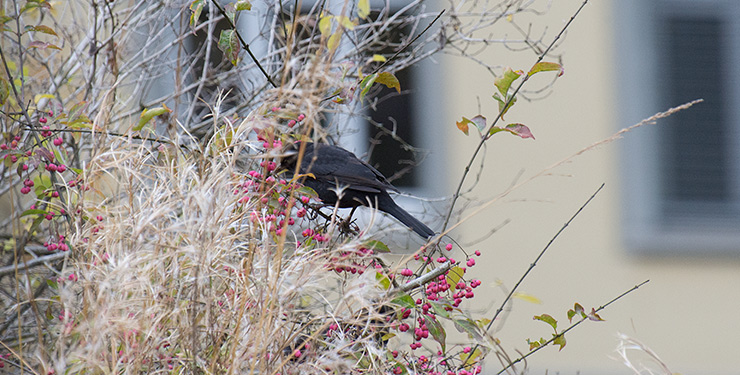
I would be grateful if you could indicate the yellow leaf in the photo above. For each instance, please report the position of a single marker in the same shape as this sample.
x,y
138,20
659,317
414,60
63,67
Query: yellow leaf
x,y
453,276
363,9
38,97
379,58
527,297
347,23
334,39
325,26
389,80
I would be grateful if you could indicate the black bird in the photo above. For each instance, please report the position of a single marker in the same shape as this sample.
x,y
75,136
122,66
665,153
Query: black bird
x,y
335,169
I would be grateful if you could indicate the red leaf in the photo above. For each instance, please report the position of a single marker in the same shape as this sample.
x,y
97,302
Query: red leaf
x,y
520,130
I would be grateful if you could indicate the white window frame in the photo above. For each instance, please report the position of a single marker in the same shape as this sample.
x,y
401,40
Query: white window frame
x,y
644,229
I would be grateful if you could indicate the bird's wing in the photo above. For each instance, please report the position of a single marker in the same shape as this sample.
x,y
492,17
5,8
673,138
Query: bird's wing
x,y
337,165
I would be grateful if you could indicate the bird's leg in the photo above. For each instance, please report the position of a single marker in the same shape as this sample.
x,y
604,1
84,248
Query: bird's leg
x,y
317,210
351,212
346,224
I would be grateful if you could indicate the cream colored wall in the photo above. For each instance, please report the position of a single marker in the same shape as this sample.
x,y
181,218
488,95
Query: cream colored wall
x,y
687,313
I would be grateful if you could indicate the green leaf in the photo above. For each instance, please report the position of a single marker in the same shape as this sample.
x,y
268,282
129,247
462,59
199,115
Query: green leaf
x,y
483,322
469,359
546,67
42,181
33,212
468,326
42,29
305,190
383,281
453,277
49,314
548,319
559,340
504,82
439,309
80,122
149,114
389,80
376,246
35,4
404,300
437,331
196,7
363,9
366,84
5,19
243,5
502,103
228,43
35,224
4,90
576,310
535,344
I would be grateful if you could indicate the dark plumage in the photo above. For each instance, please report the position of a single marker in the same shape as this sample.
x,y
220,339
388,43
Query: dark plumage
x,y
335,169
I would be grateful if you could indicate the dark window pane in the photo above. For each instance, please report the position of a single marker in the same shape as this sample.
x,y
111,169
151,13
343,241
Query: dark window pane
x,y
693,142
393,114
388,154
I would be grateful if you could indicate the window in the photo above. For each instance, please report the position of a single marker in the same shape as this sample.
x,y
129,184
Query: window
x,y
392,122
681,178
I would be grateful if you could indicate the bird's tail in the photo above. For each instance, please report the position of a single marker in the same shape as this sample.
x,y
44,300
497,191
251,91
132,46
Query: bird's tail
x,y
387,204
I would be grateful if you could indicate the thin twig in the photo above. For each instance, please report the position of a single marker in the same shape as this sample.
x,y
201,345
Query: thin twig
x,y
574,325
485,134
532,265
408,43
7,270
539,256
244,44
